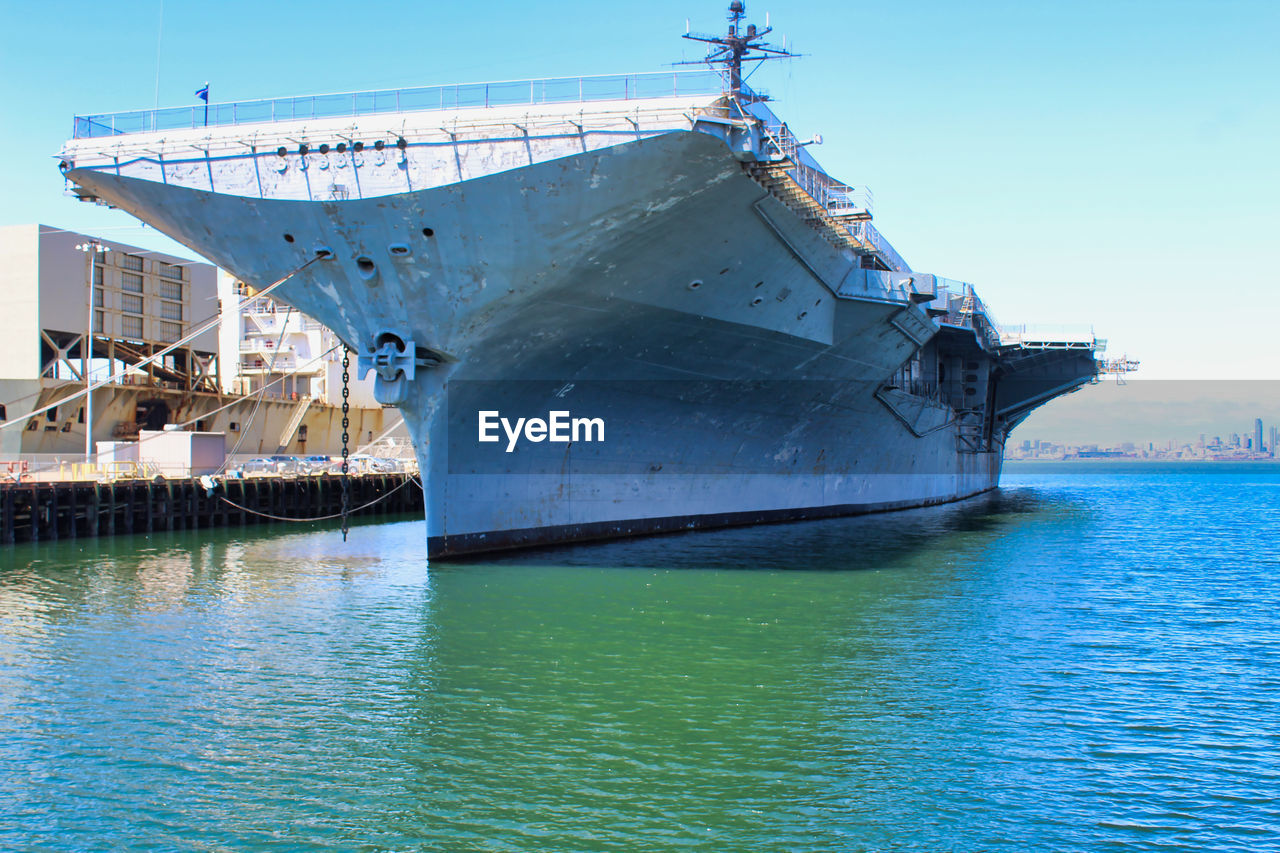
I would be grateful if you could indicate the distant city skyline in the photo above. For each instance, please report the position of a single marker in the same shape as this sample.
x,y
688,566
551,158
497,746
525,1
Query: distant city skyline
x,y
1154,411
1236,446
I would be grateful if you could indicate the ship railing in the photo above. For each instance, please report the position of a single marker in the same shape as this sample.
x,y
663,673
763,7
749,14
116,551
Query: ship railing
x,y
852,206
984,322
966,310
280,362
613,87
844,200
1040,335
869,235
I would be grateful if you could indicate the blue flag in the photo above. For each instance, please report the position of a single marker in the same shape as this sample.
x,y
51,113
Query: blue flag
x,y
203,94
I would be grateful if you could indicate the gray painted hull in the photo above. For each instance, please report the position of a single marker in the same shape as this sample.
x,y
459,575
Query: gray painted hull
x,y
734,355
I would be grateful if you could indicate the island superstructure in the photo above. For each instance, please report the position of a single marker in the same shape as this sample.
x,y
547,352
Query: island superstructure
x,y
657,251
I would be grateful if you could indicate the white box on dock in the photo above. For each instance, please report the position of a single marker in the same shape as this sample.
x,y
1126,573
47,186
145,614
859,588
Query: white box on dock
x,y
179,453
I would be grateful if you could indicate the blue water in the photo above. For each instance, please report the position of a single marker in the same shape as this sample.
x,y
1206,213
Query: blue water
x,y
1087,660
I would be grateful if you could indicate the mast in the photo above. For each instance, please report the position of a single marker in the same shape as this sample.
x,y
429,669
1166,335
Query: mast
x,y
730,51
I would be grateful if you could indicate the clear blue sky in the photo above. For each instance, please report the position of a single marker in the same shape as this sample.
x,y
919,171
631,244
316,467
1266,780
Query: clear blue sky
x,y
1112,163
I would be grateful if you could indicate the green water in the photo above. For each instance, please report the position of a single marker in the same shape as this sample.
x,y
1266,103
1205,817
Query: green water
x,y
1083,661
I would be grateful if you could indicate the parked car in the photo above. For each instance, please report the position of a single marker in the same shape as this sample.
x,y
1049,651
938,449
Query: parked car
x,y
361,463
276,464
320,464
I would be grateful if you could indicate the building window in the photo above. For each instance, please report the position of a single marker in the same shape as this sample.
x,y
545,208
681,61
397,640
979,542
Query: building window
x,y
171,310
131,304
97,297
97,275
170,270
131,327
170,290
170,332
131,282
97,322
234,426
131,262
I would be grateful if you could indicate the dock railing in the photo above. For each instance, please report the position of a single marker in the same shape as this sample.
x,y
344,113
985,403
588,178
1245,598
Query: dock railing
x,y
613,87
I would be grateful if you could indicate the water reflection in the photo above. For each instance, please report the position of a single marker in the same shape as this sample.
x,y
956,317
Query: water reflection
x,y
1060,665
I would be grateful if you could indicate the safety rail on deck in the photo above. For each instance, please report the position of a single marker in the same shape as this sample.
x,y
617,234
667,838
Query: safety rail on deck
x,y
867,233
840,200
613,87
837,198
966,310
1049,336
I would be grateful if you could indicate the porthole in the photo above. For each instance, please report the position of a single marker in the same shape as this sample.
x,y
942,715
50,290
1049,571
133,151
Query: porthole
x,y
303,149
379,145
398,249
357,147
366,266
428,232
723,271
342,148
324,148
324,252
282,151
802,315
402,143
695,284
757,301
758,283
288,238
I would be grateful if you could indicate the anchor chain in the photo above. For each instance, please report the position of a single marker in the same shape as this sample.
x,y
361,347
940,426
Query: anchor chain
x,y
346,440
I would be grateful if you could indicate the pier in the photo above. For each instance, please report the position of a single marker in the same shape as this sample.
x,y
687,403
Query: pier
x,y
71,509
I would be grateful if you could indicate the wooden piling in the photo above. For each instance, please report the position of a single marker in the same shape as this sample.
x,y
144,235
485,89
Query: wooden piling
x,y
30,512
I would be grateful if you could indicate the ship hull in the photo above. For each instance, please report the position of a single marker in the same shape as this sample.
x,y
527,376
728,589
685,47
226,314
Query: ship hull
x,y
706,423
738,360
458,545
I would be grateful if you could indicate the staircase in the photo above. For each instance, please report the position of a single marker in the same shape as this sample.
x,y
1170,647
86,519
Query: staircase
x,y
299,412
824,204
775,176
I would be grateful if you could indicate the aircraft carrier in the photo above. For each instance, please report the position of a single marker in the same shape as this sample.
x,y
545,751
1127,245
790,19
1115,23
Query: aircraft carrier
x,y
655,258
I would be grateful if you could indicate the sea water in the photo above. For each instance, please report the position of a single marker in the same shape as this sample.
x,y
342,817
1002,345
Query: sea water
x,y
1087,659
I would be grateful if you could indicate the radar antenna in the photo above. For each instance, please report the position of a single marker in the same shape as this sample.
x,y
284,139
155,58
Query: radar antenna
x,y
730,51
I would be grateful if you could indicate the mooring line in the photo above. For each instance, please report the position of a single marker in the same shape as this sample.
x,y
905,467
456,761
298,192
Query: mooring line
x,y
376,500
